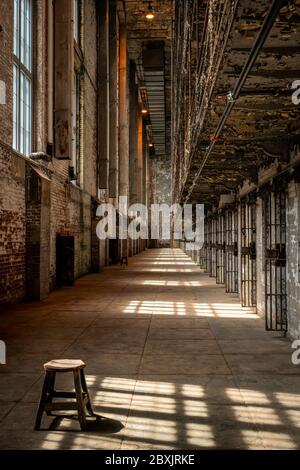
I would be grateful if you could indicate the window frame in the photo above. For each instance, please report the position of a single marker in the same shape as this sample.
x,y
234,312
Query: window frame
x,y
21,69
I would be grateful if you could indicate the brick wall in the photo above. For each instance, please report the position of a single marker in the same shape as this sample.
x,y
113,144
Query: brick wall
x,y
6,70
65,209
12,173
12,226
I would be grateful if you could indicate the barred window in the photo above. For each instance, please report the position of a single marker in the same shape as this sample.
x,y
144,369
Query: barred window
x,y
22,76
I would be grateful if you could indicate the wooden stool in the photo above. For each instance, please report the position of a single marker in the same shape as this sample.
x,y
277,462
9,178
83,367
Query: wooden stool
x,y
124,260
81,393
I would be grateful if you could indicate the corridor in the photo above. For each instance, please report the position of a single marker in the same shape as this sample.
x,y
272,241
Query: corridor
x,y
172,363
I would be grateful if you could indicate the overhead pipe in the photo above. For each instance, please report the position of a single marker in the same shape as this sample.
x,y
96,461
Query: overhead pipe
x,y
234,95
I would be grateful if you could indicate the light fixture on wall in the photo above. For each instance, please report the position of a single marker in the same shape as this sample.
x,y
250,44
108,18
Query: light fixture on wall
x,y
152,152
150,12
144,111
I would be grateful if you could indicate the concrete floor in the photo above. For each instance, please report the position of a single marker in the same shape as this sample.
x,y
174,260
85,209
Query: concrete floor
x,y
172,363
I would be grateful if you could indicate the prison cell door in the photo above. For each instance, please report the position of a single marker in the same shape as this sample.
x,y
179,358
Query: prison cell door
x,y
220,249
213,242
203,251
248,253
209,243
275,259
231,250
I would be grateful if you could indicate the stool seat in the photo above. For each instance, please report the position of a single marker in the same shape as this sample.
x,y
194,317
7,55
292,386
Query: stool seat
x,y
64,365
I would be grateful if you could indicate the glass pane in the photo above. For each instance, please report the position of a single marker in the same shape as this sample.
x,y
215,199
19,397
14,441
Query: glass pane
x,y
29,119
16,27
25,115
22,30
21,115
29,35
26,33
15,108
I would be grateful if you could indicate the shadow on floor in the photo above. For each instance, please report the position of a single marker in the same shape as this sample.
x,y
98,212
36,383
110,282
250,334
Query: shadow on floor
x,y
97,424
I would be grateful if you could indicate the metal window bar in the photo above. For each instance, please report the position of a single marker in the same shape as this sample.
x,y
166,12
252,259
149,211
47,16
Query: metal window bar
x,y
220,248
248,253
231,250
275,260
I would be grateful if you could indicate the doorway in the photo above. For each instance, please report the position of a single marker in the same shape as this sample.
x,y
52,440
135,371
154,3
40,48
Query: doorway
x,y
65,251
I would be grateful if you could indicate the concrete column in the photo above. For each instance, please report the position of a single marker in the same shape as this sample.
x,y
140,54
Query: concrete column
x,y
63,77
145,168
293,257
133,136
144,172
123,124
37,235
136,242
140,167
140,159
133,143
103,99
41,84
50,63
113,100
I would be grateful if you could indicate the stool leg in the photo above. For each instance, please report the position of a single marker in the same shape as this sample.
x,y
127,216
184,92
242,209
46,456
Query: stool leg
x,y
86,391
50,390
42,401
79,398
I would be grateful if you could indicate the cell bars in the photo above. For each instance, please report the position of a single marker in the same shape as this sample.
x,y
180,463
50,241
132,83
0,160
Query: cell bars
x,y
248,251
231,250
212,240
275,259
219,256
203,253
220,248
